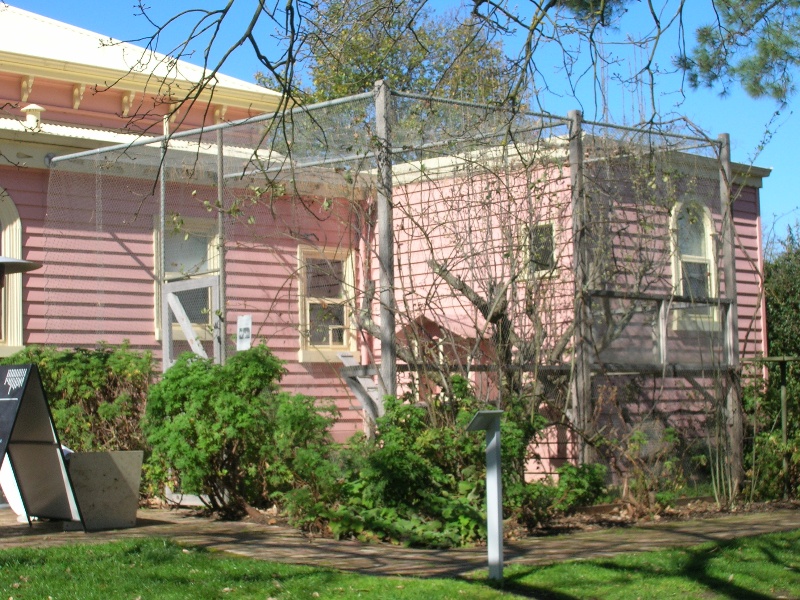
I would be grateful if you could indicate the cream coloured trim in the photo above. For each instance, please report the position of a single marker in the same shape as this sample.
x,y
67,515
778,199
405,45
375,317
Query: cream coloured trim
x,y
205,228
710,321
25,87
226,93
308,352
78,90
12,291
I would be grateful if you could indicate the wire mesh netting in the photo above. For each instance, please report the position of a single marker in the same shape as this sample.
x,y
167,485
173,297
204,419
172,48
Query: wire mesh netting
x,y
280,213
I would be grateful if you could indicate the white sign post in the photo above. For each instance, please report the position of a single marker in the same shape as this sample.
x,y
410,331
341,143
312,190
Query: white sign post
x,y
489,421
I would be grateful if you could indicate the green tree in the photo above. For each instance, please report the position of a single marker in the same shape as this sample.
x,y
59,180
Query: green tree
x,y
755,43
782,292
350,44
766,450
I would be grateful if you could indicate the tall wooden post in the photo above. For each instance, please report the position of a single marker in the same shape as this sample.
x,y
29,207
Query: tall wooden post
x,y
784,425
581,370
166,325
733,400
220,328
388,371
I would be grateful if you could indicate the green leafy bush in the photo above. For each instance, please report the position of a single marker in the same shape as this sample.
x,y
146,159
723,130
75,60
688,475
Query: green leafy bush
x,y
768,478
422,479
764,449
580,485
97,396
228,433
414,482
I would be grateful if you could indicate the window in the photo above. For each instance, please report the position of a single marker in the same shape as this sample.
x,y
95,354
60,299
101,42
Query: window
x,y
694,265
325,284
11,334
539,249
190,251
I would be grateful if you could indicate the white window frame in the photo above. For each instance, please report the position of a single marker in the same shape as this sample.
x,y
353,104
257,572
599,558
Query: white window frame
x,y
708,320
204,228
310,352
12,339
527,271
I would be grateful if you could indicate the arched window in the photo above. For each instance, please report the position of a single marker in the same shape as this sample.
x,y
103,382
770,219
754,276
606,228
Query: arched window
x,y
694,265
11,339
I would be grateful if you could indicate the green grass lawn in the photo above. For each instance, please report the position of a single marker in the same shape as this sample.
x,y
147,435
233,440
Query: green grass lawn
x,y
760,567
765,566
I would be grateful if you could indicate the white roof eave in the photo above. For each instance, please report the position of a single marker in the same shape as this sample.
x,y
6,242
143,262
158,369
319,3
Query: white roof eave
x,y
34,45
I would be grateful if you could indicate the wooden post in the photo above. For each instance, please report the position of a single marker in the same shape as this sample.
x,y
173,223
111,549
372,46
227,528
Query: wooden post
x,y
581,371
388,371
166,325
784,437
663,317
218,319
733,400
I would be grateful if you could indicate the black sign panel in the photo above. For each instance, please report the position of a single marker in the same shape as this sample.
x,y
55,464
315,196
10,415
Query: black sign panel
x,y
13,384
30,442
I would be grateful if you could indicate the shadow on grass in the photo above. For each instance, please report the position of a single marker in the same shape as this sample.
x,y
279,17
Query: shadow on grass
x,y
759,558
520,588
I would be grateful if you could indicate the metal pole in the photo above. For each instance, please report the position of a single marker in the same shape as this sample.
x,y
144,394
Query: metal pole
x,y
388,370
489,421
494,501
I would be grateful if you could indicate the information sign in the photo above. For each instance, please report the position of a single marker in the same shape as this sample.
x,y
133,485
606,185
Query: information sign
x,y
29,441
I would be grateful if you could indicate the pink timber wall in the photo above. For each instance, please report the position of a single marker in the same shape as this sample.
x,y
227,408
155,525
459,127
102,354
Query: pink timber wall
x,y
474,226
99,286
749,273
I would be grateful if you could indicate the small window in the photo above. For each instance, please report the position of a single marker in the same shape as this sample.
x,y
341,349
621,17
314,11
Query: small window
x,y
190,251
540,248
325,297
325,282
694,265
186,256
694,251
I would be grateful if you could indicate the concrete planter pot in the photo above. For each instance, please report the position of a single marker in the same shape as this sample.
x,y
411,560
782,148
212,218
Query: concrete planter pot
x,y
106,487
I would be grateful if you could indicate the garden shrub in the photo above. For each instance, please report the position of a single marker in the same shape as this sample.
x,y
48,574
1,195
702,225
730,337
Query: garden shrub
x,y
422,479
414,483
764,448
97,395
228,433
579,485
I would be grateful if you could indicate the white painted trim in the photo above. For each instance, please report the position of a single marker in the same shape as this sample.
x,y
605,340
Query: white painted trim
x,y
205,228
12,291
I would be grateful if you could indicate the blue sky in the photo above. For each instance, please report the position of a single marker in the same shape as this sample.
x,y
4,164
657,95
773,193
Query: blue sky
x,y
740,116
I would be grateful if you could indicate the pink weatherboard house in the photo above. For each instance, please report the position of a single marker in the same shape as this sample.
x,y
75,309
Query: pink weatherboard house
x,y
378,243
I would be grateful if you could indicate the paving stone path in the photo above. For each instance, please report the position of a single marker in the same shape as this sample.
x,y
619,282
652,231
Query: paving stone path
x,y
282,544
